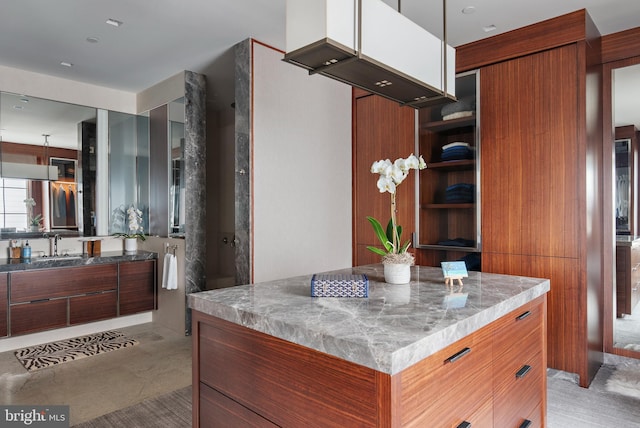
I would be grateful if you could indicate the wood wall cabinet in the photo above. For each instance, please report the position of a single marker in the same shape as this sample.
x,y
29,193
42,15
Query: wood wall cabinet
x,y
448,224
495,376
541,159
4,305
382,129
137,288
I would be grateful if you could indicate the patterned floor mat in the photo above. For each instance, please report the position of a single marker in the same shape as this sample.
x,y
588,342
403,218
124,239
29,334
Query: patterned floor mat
x,y
47,355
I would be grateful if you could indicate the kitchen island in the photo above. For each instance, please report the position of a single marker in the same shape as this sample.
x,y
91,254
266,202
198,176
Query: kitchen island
x,y
422,354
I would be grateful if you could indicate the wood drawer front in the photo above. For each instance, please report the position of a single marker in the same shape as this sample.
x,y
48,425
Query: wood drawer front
x,y
217,410
31,317
93,307
137,287
62,282
286,383
515,397
516,326
535,418
462,373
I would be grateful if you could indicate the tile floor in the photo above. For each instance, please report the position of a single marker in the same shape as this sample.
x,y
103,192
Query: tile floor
x,y
97,385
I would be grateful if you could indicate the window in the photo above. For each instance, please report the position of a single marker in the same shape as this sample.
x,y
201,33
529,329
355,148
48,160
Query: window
x,y
13,210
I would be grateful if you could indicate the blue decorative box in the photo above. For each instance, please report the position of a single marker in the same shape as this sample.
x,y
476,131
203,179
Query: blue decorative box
x,y
323,285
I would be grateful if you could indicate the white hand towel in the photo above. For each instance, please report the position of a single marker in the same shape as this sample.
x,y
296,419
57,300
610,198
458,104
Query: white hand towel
x,y
170,272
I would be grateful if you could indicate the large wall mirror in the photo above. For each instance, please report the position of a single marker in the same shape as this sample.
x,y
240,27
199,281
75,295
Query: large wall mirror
x,y
625,89
41,181
53,159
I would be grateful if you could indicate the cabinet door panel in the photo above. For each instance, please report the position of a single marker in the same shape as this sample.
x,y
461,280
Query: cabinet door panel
x,y
4,305
32,317
530,180
62,282
382,130
93,307
137,287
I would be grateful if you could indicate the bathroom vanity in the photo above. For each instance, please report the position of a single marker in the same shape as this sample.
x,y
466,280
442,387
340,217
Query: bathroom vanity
x,y
422,354
47,293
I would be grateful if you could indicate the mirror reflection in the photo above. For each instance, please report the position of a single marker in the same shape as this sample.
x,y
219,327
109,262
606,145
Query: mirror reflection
x,y
626,117
177,183
39,137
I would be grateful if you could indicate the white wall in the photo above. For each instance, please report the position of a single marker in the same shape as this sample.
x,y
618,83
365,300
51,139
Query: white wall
x,y
54,88
301,170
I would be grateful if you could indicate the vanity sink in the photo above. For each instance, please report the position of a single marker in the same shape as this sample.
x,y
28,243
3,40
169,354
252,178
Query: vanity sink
x,y
56,258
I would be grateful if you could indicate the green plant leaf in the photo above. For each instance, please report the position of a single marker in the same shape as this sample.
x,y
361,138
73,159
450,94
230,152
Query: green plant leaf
x,y
377,250
405,247
377,227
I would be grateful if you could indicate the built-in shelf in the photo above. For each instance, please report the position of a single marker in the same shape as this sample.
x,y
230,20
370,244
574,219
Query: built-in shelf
x,y
448,248
454,165
448,206
445,125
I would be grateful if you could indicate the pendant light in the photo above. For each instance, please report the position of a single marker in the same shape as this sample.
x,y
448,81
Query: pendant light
x,y
29,171
370,45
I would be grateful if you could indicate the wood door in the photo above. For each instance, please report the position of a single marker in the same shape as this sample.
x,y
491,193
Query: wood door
x,y
382,130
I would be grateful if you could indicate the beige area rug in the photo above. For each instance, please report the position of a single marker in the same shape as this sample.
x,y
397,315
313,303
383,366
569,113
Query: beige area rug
x,y
625,381
47,355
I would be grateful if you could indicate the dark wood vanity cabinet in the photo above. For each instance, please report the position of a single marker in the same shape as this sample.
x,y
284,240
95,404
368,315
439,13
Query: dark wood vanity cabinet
x,y
43,299
137,287
4,305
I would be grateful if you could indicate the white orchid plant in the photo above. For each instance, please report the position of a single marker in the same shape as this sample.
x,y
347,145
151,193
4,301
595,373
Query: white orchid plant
x,y
136,229
33,221
391,175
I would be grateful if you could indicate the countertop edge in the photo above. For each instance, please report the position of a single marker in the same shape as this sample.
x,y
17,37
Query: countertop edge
x,y
391,363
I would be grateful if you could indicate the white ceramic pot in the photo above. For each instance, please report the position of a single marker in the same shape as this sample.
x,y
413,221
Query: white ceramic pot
x,y
397,273
130,245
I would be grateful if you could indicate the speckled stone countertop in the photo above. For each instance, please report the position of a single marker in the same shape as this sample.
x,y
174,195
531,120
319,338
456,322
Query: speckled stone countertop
x,y
627,240
394,328
10,265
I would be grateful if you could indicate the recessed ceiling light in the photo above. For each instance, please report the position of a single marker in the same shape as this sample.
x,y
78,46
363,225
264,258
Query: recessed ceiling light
x,y
489,28
92,39
114,22
24,100
469,10
16,107
66,64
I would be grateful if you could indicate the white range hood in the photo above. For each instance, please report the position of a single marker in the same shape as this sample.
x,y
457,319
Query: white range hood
x,y
368,44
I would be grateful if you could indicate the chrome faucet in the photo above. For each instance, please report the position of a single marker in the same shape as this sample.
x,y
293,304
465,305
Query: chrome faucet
x,y
56,238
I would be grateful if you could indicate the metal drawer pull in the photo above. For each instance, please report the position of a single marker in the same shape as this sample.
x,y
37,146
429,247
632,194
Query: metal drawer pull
x,y
464,424
523,316
457,356
523,371
525,424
